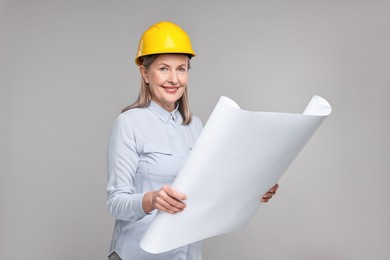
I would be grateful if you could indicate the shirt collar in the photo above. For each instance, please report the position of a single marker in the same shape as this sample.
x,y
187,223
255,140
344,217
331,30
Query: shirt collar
x,y
163,114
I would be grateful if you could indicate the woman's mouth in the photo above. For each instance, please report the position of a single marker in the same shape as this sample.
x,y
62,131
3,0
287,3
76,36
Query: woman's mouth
x,y
170,90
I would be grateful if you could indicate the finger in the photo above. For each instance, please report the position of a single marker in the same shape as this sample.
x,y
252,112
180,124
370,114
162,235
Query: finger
x,y
174,203
274,188
271,192
165,204
266,197
168,202
162,208
174,193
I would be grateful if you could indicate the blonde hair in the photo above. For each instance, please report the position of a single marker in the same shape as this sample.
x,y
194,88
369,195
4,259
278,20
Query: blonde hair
x,y
145,97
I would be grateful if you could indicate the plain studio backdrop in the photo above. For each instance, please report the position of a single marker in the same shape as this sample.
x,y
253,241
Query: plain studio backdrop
x,y
67,69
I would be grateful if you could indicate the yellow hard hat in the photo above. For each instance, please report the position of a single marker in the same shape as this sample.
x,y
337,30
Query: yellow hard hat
x,y
164,37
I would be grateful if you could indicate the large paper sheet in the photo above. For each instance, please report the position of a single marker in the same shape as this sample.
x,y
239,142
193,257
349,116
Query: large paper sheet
x,y
239,156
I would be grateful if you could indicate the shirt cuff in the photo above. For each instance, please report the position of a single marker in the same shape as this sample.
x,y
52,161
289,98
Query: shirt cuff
x,y
137,205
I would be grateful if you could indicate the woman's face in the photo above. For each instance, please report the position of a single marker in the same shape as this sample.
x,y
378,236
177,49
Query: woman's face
x,y
167,77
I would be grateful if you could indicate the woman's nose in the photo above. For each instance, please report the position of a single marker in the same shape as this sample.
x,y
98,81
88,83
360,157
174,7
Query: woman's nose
x,y
173,79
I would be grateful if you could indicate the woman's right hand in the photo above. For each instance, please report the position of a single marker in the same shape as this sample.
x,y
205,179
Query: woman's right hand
x,y
166,199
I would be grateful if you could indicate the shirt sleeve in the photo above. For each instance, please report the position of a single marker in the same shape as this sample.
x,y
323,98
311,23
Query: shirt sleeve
x,y
122,161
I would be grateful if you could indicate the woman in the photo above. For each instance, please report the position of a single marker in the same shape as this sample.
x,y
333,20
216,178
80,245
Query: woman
x,y
149,143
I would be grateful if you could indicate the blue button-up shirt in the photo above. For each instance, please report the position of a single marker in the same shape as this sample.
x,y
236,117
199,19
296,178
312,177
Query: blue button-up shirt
x,y
147,148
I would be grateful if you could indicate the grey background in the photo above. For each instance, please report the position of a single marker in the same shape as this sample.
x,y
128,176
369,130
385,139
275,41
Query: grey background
x,y
67,69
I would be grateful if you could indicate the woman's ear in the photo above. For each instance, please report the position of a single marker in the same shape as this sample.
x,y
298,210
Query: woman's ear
x,y
144,73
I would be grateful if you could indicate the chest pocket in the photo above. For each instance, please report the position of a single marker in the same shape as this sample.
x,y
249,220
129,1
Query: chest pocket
x,y
160,161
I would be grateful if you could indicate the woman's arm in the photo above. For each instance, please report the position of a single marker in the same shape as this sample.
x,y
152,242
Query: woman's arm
x,y
122,161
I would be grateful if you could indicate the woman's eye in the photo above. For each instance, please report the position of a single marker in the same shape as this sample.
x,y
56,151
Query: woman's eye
x,y
163,68
182,69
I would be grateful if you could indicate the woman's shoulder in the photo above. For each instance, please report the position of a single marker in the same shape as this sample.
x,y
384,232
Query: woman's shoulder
x,y
131,114
130,117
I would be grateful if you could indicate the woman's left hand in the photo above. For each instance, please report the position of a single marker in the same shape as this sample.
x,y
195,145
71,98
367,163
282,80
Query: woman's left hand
x,y
266,197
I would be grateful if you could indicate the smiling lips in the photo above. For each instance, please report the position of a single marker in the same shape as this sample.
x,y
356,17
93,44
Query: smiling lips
x,y
170,89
